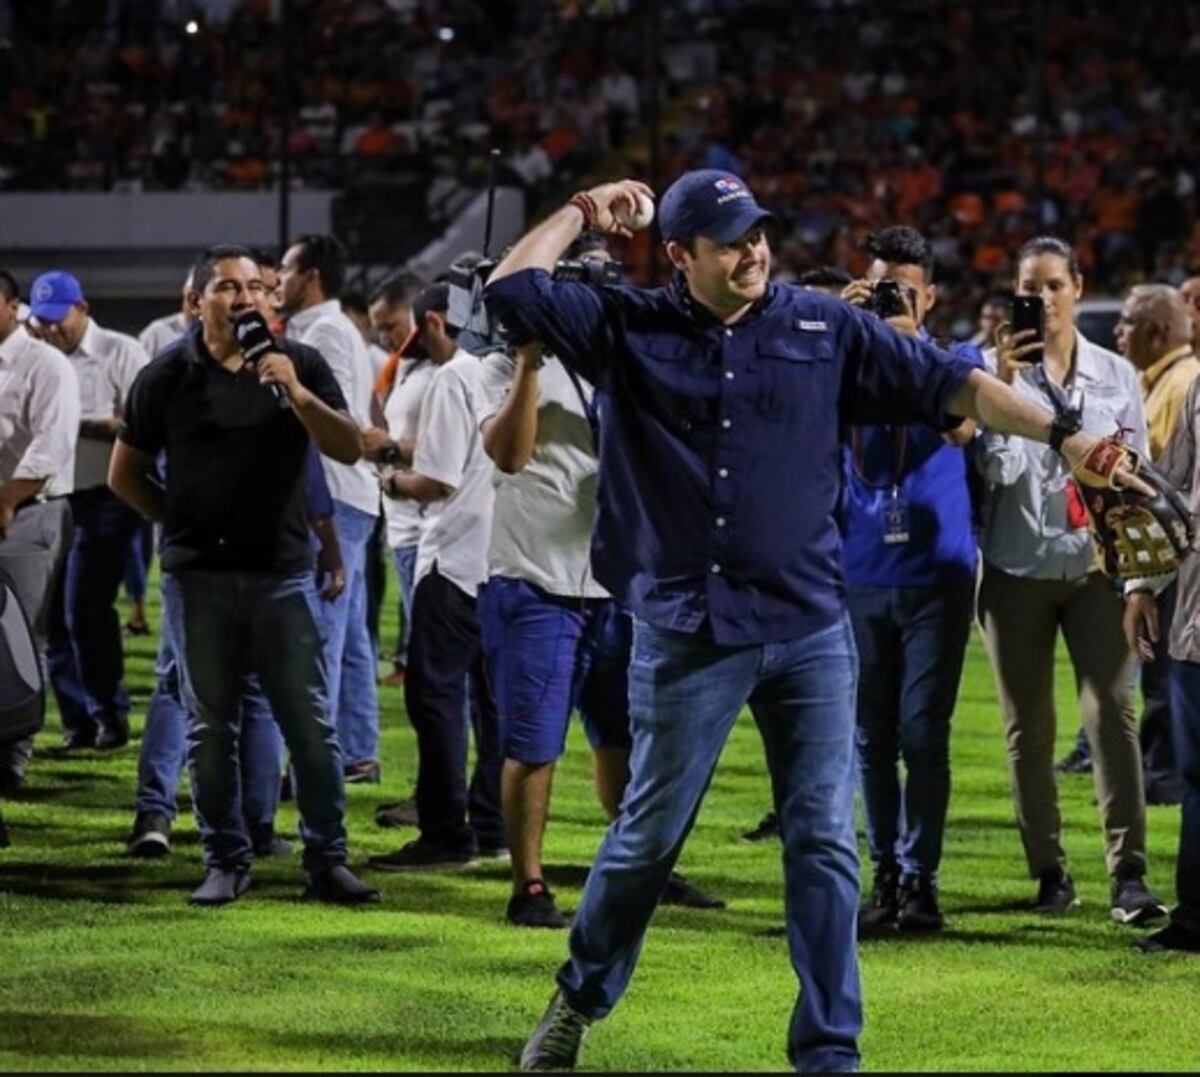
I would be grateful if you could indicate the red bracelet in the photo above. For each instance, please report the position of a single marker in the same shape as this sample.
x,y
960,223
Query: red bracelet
x,y
586,205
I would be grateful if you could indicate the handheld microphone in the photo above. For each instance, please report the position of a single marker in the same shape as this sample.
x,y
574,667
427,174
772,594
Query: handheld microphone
x,y
254,340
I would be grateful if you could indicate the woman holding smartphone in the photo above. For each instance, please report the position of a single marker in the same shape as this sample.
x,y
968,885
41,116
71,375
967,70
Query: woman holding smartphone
x,y
1040,578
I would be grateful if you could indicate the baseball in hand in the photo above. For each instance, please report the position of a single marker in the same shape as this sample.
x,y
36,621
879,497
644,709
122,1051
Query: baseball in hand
x,y
637,219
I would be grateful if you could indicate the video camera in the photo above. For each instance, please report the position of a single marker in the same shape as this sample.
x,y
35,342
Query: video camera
x,y
468,314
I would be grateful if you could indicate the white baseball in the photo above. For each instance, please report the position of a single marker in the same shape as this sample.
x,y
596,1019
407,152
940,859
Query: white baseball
x,y
640,218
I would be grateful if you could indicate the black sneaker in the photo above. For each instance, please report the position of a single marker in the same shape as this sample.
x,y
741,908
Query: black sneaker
x,y
1134,903
556,1041
768,827
221,887
534,906
421,855
365,773
495,854
1056,892
882,908
1172,937
403,813
151,837
919,906
75,739
338,885
1077,761
687,895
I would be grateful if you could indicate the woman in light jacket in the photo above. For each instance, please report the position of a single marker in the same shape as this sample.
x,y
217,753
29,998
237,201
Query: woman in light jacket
x,y
1040,577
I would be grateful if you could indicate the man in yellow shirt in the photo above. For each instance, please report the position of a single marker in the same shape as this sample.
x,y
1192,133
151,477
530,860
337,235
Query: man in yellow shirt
x,y
1155,334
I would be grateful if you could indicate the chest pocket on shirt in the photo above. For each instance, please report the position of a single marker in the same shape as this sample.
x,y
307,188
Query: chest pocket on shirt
x,y
796,376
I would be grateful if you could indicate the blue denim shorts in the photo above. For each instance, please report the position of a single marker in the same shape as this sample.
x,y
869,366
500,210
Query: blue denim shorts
x,y
547,656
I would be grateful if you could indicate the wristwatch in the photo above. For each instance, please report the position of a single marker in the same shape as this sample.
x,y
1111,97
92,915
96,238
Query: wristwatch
x,y
1066,422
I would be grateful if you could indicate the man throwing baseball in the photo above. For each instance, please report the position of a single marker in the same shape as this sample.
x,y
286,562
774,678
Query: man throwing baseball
x,y
720,400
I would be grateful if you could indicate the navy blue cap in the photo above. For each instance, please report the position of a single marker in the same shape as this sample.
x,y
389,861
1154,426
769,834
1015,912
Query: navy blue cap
x,y
711,203
53,294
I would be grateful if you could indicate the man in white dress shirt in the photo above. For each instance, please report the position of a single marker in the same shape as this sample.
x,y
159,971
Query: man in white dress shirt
x,y
85,652
166,330
310,278
39,421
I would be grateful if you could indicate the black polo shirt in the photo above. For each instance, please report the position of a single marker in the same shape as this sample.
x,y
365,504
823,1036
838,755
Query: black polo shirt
x,y
235,458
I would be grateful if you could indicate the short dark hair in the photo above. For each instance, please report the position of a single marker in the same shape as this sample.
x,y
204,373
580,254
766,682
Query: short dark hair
x,y
263,257
1051,245
204,268
824,277
353,299
902,245
433,297
8,286
399,289
327,256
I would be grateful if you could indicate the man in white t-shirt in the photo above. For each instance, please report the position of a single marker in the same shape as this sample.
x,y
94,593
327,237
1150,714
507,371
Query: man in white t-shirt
x,y
458,824
310,278
39,424
85,650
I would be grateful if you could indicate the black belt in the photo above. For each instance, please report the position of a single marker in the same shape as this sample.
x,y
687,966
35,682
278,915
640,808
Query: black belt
x,y
29,502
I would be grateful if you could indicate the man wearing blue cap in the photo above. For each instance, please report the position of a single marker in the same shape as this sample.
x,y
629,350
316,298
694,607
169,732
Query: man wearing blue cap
x,y
85,654
723,396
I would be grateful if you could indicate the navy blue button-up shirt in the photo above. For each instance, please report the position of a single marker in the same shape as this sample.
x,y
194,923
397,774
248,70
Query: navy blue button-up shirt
x,y
720,473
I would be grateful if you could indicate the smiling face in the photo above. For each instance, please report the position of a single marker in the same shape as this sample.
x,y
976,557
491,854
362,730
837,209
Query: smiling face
x,y
725,277
1049,275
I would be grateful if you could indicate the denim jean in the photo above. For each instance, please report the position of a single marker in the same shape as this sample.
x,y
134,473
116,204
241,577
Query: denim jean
x,y
685,692
406,567
911,642
350,654
223,625
85,655
137,565
1185,711
164,748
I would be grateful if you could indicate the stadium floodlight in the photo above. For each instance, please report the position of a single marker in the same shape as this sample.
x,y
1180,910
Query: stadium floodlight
x,y
445,33
192,27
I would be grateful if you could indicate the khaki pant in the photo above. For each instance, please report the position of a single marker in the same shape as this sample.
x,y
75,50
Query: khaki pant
x,y
1021,619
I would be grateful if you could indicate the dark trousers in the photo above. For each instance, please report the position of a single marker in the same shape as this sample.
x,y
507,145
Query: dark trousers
x,y
911,642
445,650
1185,691
1158,748
84,655
375,571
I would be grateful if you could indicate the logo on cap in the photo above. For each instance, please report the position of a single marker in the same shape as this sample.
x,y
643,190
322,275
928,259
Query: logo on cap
x,y
42,292
726,185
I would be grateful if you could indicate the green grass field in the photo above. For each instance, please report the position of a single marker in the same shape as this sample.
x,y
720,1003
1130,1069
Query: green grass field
x,y
105,967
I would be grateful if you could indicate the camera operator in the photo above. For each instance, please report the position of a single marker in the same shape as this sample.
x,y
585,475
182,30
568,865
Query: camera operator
x,y
39,424
458,823
908,552
238,593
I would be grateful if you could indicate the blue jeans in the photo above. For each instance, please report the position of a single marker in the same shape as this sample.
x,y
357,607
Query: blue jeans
x,y
1185,711
223,625
911,642
349,650
84,655
164,748
137,565
406,569
685,692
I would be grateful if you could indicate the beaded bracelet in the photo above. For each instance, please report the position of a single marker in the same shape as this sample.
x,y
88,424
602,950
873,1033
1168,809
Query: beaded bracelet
x,y
586,205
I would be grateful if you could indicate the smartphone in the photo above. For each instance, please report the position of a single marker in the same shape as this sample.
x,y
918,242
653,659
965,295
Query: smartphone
x,y
1029,312
886,300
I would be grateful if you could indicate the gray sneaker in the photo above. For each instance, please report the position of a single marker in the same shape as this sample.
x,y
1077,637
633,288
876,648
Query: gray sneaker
x,y
556,1041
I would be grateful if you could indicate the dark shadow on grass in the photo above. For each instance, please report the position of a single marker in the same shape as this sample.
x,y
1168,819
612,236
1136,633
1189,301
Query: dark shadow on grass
x,y
44,1035
458,1054
109,884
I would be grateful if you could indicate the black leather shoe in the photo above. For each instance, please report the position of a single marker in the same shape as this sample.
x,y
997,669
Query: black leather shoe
x,y
75,739
1056,892
919,909
340,886
879,912
220,887
112,734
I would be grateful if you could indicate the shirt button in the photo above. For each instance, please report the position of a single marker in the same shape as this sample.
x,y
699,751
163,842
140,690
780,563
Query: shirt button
x,y
720,521
729,375
715,569
723,472
726,424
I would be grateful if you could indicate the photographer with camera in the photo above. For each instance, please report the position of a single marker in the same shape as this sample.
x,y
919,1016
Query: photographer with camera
x,y
234,410
451,480
908,552
1040,578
